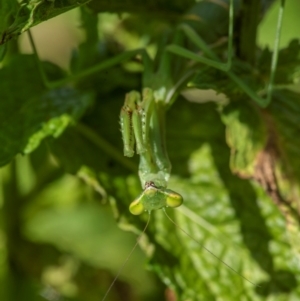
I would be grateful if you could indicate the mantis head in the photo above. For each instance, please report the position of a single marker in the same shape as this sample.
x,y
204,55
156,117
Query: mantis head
x,y
153,198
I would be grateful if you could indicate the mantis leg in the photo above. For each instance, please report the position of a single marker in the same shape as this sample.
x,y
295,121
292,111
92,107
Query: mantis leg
x,y
213,61
142,123
134,125
123,57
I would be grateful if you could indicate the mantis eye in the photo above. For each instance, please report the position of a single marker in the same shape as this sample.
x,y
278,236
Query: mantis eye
x,y
136,207
173,199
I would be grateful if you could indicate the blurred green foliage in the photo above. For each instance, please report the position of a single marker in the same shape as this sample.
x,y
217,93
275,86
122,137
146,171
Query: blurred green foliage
x,y
64,179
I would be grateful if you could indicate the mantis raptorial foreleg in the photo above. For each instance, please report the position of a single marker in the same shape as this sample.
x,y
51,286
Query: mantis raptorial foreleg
x,y
134,121
141,127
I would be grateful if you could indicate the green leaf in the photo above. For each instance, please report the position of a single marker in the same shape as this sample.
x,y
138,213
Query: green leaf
x,y
28,112
245,135
134,6
285,110
88,53
81,146
33,12
3,50
7,11
251,133
224,213
66,215
92,139
211,78
287,70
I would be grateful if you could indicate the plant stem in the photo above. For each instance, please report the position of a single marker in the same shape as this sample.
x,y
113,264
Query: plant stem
x,y
106,146
249,19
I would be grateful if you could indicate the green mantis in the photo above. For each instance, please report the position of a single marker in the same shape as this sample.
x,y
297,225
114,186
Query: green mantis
x,y
141,125
142,117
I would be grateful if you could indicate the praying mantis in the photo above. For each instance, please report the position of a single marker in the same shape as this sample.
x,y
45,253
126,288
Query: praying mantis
x,y
142,121
141,125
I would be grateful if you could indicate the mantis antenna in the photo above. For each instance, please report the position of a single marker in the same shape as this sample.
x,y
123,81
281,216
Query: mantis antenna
x,y
127,258
210,252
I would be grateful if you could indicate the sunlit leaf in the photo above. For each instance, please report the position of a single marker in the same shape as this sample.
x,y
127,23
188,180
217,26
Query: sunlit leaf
x,y
28,112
